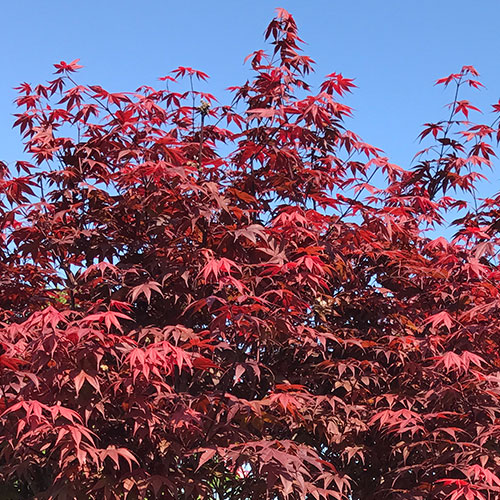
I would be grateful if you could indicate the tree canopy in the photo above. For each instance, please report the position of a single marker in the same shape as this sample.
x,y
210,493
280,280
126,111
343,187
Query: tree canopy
x,y
201,300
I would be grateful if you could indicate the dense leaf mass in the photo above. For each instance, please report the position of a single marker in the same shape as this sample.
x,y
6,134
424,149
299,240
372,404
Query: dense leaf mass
x,y
242,301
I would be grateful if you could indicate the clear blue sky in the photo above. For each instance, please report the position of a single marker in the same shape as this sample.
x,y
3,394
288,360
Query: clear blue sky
x,y
395,49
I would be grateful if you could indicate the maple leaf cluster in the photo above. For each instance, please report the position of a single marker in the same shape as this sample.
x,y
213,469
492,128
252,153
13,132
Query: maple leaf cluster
x,y
201,300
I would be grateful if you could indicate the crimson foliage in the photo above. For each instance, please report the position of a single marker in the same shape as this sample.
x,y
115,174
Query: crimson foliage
x,y
190,311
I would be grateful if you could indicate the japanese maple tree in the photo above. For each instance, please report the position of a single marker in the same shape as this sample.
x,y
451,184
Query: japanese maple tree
x,y
242,301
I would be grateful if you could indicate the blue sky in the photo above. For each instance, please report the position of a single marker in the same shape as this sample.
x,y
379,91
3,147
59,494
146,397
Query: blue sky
x,y
395,50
